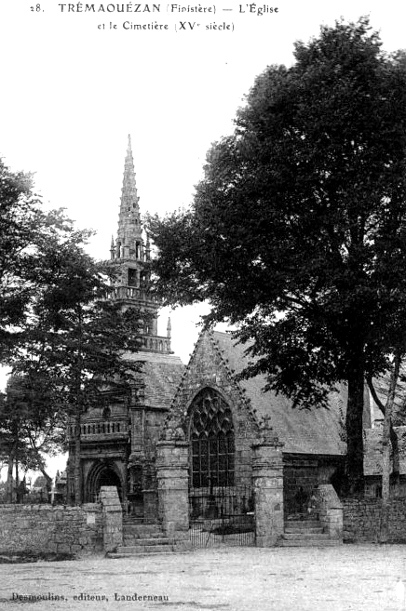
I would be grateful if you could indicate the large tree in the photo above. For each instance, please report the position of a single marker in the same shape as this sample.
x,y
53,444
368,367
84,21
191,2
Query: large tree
x,y
297,233
20,212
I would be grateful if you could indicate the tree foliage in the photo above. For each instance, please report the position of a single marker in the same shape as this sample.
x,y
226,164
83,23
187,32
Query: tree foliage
x,y
31,427
297,232
19,208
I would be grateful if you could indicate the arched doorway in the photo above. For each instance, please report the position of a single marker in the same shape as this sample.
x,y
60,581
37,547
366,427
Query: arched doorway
x,y
109,478
103,474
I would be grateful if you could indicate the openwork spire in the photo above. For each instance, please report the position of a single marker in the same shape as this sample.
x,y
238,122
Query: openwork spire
x,y
129,234
129,196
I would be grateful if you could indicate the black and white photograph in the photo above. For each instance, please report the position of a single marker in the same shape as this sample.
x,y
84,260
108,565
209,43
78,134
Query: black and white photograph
x,y
203,306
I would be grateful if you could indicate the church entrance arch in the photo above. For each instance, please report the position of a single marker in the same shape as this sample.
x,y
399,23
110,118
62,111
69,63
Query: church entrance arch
x,y
103,474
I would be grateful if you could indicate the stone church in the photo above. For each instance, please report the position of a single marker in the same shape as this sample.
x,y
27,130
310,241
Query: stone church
x,y
118,442
202,404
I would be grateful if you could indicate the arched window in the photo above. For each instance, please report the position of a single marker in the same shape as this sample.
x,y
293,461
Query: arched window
x,y
212,438
132,277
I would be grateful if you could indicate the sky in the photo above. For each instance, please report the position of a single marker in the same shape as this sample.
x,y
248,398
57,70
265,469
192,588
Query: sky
x,y
74,86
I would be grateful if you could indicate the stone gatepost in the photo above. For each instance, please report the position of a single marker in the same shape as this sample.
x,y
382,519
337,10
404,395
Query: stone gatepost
x,y
112,518
330,511
173,494
268,488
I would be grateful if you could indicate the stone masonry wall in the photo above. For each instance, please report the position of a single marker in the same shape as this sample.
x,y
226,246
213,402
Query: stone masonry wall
x,y
362,520
46,529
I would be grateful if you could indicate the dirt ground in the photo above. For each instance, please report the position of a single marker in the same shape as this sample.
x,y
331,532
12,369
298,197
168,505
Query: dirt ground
x,y
344,578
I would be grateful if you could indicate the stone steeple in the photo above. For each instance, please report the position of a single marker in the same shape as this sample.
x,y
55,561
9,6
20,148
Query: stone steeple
x,y
132,254
129,236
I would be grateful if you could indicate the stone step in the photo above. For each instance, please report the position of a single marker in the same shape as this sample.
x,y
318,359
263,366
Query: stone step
x,y
142,532
140,521
168,551
298,531
157,541
136,540
128,550
142,526
156,535
302,523
136,532
305,536
309,542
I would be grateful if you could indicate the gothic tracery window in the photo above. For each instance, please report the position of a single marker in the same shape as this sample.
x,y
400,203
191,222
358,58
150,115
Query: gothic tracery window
x,y
212,438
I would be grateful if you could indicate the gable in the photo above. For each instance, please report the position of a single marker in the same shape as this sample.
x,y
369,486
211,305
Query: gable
x,y
207,368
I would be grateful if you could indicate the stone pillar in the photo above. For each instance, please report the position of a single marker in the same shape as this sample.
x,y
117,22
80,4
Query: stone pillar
x,y
172,476
268,488
112,518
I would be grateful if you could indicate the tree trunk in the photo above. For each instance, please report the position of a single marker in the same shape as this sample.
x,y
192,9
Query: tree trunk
x,y
9,488
354,428
17,481
77,471
386,450
13,458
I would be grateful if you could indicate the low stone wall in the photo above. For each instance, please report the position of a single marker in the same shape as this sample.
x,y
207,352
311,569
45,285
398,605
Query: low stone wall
x,y
362,520
45,529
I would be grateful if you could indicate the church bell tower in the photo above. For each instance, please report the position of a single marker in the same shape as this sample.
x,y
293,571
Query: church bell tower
x,y
132,251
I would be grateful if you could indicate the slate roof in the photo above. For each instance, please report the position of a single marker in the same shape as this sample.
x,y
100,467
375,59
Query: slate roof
x,y
316,431
161,374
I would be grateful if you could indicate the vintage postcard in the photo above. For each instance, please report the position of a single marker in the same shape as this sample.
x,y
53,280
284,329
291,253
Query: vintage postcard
x,y
191,486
